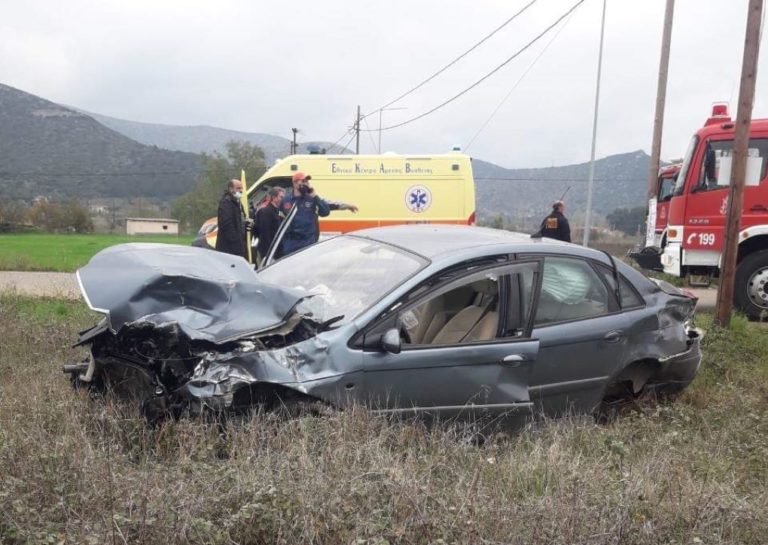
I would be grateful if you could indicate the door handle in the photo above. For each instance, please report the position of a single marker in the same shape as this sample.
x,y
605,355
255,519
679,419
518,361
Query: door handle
x,y
513,360
613,336
758,208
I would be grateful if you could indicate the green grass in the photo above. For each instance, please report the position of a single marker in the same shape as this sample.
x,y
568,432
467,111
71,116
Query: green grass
x,y
80,470
63,253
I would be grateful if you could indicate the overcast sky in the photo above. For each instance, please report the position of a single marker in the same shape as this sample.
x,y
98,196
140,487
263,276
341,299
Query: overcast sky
x,y
266,66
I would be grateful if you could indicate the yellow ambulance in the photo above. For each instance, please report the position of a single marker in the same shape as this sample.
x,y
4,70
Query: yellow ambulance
x,y
388,189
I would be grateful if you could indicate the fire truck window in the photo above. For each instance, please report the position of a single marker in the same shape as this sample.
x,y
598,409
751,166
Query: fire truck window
x,y
718,158
666,187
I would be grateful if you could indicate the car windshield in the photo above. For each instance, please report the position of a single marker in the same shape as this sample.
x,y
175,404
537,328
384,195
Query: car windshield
x,y
683,174
345,274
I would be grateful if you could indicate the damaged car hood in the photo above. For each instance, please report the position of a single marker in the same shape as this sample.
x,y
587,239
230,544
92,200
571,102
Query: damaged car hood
x,y
212,296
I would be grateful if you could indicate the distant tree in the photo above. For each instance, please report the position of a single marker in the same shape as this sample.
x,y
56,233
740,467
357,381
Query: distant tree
x,y
57,217
13,212
198,205
627,220
75,217
497,222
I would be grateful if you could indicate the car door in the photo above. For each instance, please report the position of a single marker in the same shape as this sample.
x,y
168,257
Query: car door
x,y
582,337
465,355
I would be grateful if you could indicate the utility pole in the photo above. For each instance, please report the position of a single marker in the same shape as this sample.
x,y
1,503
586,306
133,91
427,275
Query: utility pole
x,y
357,131
294,148
739,166
658,118
588,217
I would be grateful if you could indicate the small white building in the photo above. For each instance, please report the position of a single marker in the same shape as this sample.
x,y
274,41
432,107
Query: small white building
x,y
151,226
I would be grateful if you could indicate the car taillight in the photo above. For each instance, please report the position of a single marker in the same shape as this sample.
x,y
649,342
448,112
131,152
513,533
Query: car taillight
x,y
471,220
672,233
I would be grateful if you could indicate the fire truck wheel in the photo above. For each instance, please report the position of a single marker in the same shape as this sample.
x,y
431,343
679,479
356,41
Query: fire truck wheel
x,y
751,289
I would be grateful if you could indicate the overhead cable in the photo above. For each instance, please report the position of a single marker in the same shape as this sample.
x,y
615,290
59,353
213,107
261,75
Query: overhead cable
x,y
489,74
519,80
457,59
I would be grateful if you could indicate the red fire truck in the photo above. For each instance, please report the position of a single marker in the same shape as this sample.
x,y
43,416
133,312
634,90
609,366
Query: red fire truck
x,y
697,210
649,257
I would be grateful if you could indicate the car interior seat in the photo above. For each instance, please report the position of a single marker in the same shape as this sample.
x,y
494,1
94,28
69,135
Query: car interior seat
x,y
476,322
425,321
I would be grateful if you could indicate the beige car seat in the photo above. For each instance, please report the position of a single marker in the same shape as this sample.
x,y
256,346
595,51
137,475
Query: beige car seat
x,y
477,322
426,320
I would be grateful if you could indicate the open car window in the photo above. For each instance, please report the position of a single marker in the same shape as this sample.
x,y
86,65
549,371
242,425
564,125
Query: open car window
x,y
477,307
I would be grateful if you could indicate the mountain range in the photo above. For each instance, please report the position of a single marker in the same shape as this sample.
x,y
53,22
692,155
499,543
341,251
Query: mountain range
x,y
203,138
62,152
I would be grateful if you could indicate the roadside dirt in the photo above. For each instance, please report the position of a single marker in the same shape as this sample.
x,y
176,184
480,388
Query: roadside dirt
x,y
42,284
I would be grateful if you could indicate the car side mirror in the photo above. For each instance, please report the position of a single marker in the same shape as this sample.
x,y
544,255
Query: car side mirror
x,y
391,342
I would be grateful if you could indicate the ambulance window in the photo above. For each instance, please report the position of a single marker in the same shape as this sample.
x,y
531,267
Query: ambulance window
x,y
683,174
718,159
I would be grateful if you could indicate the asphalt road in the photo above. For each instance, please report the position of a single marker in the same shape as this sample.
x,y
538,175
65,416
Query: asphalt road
x,y
40,283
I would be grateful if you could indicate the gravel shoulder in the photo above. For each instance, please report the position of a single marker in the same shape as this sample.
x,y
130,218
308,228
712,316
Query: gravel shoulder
x,y
43,284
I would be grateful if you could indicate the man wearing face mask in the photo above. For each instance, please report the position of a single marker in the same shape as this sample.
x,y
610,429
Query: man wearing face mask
x,y
305,228
231,238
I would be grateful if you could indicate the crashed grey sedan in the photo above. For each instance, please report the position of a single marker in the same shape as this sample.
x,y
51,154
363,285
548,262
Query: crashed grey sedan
x,y
438,321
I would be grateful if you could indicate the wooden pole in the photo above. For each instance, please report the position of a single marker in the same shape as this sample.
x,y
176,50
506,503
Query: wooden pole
x,y
357,132
739,167
661,94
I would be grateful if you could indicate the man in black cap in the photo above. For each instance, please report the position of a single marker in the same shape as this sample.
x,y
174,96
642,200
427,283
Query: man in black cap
x,y
556,224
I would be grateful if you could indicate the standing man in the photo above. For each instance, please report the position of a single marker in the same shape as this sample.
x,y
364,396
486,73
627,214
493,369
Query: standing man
x,y
556,224
305,229
230,238
268,221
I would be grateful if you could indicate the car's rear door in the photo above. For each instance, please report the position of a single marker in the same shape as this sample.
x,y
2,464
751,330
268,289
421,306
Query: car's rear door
x,y
582,336
471,359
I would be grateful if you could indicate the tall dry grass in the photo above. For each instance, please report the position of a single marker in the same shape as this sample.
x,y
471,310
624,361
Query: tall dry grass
x,y
77,470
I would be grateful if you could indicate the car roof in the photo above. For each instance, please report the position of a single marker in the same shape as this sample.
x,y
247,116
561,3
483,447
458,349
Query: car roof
x,y
435,242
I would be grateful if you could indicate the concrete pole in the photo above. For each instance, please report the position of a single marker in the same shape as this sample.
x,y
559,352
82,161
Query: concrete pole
x,y
661,94
588,216
739,166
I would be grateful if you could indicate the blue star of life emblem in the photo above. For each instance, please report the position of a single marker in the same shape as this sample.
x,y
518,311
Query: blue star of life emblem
x,y
418,198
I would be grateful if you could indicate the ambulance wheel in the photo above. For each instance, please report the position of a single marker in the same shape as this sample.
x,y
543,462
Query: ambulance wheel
x,y
751,289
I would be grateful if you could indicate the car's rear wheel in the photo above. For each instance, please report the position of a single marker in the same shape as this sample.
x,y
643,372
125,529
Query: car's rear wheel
x,y
751,289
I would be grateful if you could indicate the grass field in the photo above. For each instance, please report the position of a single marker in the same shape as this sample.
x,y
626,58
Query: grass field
x,y
63,253
81,470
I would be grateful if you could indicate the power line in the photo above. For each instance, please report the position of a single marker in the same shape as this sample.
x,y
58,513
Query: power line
x,y
111,174
489,74
519,80
457,59
349,142
370,134
339,140
524,179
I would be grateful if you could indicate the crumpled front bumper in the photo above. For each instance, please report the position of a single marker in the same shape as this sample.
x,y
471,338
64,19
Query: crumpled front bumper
x,y
678,371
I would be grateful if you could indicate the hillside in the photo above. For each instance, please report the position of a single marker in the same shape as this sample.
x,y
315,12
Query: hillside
x,y
47,149
202,138
519,194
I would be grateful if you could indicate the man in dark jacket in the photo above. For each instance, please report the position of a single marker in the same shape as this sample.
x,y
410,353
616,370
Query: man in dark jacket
x,y
556,224
268,221
230,238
